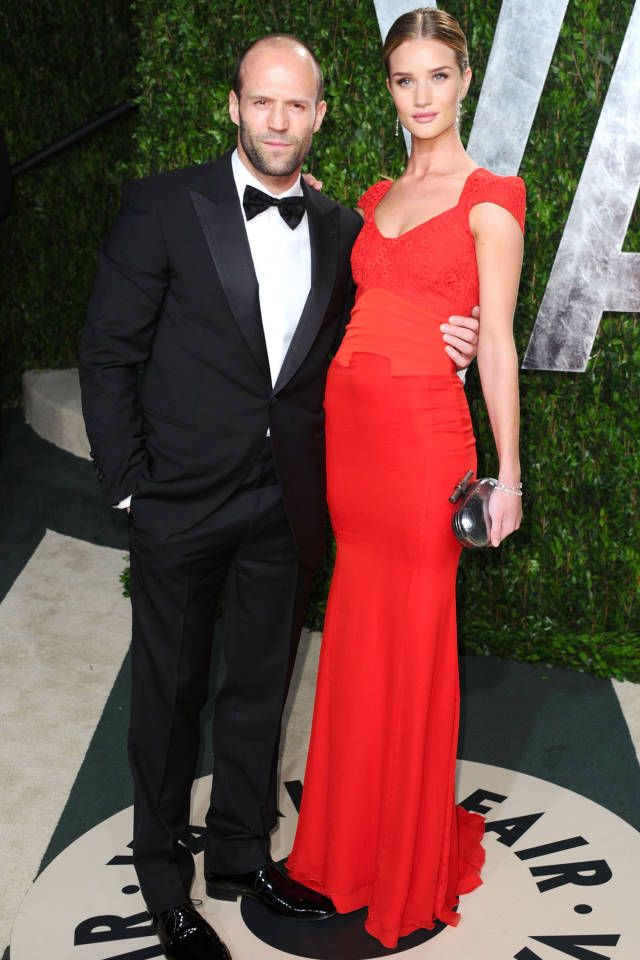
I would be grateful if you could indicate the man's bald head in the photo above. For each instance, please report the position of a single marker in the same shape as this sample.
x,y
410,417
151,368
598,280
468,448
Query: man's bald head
x,y
287,42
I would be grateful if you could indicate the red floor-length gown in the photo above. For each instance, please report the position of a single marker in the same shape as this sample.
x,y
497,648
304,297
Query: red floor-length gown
x,y
378,825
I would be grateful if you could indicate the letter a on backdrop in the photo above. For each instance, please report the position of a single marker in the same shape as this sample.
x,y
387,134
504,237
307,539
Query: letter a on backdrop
x,y
591,274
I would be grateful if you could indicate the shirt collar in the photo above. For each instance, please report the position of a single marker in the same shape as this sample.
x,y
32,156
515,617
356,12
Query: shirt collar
x,y
244,177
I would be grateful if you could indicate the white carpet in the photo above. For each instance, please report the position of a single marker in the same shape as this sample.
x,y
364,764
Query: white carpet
x,y
64,629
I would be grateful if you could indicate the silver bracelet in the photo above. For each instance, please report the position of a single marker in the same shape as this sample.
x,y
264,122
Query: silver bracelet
x,y
517,490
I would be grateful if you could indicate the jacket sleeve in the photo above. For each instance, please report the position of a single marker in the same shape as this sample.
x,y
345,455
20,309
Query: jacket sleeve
x,y
128,291
355,224
346,314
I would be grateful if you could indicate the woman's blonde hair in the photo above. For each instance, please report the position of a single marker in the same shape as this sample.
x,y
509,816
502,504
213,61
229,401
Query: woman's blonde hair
x,y
431,24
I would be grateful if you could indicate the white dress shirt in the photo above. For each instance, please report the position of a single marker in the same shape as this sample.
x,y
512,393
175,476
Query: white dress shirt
x,y
282,262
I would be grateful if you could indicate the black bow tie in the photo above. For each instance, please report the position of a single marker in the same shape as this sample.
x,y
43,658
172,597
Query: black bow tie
x,y
291,209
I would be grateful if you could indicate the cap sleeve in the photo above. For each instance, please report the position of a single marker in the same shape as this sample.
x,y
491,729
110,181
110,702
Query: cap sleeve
x,y
371,197
507,192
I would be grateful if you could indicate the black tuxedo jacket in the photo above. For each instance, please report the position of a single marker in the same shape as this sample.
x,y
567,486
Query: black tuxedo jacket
x,y
176,388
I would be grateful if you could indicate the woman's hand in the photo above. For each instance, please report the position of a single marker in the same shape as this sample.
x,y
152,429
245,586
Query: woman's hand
x,y
311,181
505,510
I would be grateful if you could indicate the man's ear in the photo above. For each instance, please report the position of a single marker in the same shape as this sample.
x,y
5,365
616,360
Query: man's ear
x,y
321,109
234,107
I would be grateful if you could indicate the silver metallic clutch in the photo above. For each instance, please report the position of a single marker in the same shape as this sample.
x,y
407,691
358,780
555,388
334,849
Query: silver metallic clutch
x,y
471,522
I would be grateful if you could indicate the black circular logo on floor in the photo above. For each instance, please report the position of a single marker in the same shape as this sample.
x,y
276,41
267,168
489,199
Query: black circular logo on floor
x,y
339,937
558,881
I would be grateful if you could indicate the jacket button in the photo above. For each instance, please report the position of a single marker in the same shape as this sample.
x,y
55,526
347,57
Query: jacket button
x,y
272,401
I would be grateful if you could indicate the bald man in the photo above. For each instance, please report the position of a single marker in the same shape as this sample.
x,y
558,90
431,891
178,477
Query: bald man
x,y
229,285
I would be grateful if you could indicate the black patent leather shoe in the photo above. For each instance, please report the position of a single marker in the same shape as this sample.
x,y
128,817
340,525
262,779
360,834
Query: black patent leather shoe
x,y
185,935
272,887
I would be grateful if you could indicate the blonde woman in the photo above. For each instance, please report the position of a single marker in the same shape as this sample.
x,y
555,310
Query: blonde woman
x,y
378,824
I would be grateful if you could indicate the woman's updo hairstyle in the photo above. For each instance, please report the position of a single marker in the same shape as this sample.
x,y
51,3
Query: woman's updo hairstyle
x,y
427,23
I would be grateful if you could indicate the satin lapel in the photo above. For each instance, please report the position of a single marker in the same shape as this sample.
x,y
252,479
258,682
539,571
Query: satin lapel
x,y
223,227
323,237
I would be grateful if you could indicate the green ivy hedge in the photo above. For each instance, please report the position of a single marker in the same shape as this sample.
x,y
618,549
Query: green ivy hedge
x,y
61,64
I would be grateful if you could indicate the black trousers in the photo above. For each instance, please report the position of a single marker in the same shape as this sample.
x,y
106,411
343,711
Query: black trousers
x,y
245,552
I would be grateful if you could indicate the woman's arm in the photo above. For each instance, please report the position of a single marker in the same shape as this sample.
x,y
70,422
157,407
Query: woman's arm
x,y
499,248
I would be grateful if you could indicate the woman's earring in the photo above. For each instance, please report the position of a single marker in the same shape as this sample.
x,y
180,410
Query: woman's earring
x,y
459,113
397,126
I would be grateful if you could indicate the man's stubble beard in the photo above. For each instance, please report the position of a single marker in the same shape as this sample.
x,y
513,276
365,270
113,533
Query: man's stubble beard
x,y
271,167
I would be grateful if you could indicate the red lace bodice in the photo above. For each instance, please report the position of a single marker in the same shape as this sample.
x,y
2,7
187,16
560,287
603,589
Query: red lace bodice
x,y
435,262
